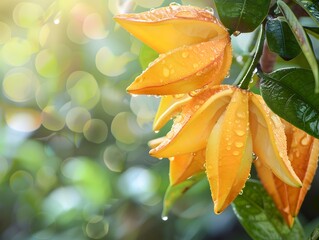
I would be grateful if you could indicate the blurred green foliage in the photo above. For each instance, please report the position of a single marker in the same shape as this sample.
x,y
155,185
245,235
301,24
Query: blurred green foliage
x,y
74,160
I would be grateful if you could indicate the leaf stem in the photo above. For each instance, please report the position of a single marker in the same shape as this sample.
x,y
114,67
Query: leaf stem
x,y
245,75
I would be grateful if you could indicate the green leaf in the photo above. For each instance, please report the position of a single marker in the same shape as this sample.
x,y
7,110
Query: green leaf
x,y
246,73
176,191
281,40
242,15
146,56
311,7
289,93
315,234
302,39
314,31
257,213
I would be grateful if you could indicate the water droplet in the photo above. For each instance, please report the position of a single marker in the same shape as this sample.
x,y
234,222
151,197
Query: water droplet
x,y
164,218
228,148
249,176
194,92
239,132
306,140
174,4
178,119
236,33
209,10
240,114
185,54
194,154
170,134
241,192
152,10
166,72
156,131
254,157
309,187
177,96
239,144
186,14
195,65
236,153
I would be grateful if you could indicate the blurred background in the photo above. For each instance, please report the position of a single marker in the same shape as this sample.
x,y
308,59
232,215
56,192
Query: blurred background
x,y
74,160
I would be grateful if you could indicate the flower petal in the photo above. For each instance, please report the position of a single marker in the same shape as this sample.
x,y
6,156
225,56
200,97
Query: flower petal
x,y
169,107
228,152
190,132
185,166
164,29
186,69
303,152
276,189
269,141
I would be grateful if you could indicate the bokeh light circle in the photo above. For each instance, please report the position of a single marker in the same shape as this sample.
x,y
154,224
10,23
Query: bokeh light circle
x,y
76,119
95,130
52,119
114,158
97,227
149,4
27,14
124,128
16,51
21,181
110,64
23,119
83,89
5,32
114,100
20,85
93,26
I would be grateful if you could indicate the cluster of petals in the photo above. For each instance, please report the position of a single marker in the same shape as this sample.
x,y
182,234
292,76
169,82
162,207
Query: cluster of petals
x,y
216,128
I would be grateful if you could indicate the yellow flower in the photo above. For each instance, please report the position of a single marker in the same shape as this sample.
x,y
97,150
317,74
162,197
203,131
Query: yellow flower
x,y
195,49
229,124
303,152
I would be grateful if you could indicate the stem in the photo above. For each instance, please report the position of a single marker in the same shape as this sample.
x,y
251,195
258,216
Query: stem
x,y
244,77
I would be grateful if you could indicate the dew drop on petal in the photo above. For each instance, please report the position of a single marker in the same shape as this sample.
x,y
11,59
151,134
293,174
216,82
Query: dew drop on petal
x,y
305,141
236,153
166,72
241,192
240,132
239,144
185,54
236,33
240,114
195,65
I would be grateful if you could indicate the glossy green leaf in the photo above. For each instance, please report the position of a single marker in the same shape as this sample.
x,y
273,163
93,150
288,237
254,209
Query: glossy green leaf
x,y
289,93
311,7
176,191
146,56
246,73
257,213
281,40
313,31
242,15
302,39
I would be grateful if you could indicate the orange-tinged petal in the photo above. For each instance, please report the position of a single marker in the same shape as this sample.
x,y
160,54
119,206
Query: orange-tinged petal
x,y
164,29
269,141
185,166
191,131
186,69
228,152
303,152
169,107
276,189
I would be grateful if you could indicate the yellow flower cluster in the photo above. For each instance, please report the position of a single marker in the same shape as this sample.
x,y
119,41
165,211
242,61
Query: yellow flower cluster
x,y
216,128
